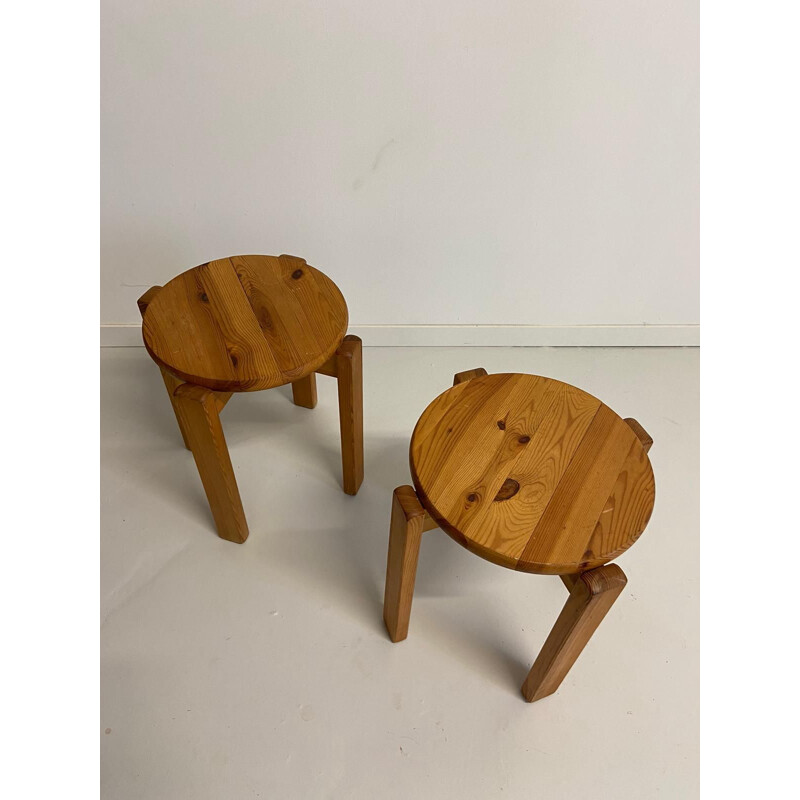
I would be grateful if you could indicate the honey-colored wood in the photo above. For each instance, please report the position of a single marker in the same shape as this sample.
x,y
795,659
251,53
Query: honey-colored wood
x,y
170,381
405,534
351,412
429,523
147,298
304,391
532,473
644,437
591,596
329,367
245,323
468,375
199,409
569,580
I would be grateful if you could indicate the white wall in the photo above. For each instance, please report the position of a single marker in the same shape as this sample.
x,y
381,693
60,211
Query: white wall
x,y
513,162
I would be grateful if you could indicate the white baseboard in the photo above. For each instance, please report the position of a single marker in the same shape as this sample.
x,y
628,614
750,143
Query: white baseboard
x,y
130,335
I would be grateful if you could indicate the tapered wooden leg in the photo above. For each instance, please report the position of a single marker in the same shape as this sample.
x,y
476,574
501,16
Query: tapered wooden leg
x,y
351,412
591,596
405,534
304,391
170,381
199,409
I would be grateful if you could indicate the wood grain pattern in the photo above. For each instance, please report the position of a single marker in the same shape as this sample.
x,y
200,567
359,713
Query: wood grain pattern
x,y
405,534
200,411
532,473
245,323
351,412
591,596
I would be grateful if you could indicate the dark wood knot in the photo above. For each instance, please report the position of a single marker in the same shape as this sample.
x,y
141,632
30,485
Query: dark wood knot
x,y
509,488
234,360
524,439
472,497
297,274
204,297
501,424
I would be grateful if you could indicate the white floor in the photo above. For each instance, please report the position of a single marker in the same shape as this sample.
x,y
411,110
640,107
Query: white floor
x,y
264,670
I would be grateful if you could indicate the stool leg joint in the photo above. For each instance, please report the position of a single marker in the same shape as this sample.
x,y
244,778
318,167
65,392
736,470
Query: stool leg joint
x,y
351,412
641,434
468,375
147,298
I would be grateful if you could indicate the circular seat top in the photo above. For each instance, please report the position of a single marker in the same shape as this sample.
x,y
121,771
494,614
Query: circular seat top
x,y
532,473
244,323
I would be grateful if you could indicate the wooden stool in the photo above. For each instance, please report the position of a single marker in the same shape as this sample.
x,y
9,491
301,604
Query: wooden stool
x,y
537,476
242,324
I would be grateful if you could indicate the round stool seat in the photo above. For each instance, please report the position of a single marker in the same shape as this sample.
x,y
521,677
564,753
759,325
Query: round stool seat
x,y
245,323
532,473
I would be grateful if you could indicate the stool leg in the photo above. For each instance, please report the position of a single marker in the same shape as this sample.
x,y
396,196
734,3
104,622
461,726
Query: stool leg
x,y
170,381
405,534
304,391
199,409
570,580
590,598
351,412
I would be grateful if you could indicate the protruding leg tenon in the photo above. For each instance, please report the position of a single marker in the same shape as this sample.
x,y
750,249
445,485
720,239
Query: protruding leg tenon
x,y
468,375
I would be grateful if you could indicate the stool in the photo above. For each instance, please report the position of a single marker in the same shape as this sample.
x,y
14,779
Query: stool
x,y
537,476
246,323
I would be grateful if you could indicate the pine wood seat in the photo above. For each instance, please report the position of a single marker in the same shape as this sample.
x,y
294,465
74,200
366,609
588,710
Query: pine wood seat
x,y
242,324
534,475
245,323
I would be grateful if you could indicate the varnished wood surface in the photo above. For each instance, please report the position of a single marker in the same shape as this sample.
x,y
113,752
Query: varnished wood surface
x,y
644,437
245,323
170,381
591,596
405,534
351,412
199,409
532,473
304,391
